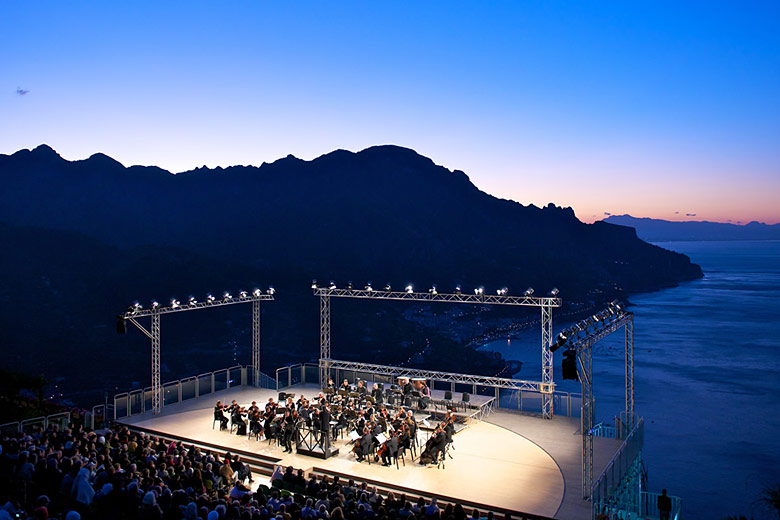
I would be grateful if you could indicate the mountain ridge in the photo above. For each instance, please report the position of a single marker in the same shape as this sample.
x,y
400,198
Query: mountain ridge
x,y
659,230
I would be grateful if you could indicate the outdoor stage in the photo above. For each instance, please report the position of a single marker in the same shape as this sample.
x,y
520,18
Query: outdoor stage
x,y
509,461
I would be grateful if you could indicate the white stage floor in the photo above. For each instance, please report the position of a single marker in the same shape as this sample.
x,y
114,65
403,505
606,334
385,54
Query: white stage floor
x,y
492,463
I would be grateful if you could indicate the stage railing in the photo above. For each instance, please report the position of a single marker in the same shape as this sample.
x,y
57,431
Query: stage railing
x,y
139,401
527,401
649,506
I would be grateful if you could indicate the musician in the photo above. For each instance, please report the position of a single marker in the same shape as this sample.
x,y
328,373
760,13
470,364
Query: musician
x,y
407,387
363,446
425,396
233,406
345,386
237,419
361,388
377,394
255,426
220,415
271,405
390,449
288,425
325,425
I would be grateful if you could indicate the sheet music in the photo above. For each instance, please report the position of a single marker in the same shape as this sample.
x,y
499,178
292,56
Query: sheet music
x,y
354,435
381,438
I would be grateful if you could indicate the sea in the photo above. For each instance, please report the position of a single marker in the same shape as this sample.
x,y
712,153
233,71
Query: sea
x,y
707,378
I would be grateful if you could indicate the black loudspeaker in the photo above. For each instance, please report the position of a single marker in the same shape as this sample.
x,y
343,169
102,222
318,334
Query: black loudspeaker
x,y
282,397
121,326
569,365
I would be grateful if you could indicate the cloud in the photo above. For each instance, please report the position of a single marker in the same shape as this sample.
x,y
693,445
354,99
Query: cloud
x,y
690,214
21,92
676,212
607,214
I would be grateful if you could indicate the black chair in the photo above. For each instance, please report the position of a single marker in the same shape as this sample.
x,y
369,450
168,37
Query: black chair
x,y
447,402
465,400
399,453
217,418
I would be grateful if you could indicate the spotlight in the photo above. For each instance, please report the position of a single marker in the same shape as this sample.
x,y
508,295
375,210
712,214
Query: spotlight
x,y
368,287
458,289
271,290
332,285
432,290
502,291
210,298
137,307
349,285
192,300
554,292
479,291
314,284
155,304
242,294
175,303
409,289
226,296
258,292
387,287
529,291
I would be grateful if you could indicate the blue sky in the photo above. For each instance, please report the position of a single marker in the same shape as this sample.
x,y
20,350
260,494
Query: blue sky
x,y
650,108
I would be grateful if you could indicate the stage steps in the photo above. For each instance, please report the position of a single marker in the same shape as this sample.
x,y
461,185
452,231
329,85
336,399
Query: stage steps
x,y
412,495
259,463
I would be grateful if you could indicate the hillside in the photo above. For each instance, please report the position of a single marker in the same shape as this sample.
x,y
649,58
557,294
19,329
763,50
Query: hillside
x,y
656,230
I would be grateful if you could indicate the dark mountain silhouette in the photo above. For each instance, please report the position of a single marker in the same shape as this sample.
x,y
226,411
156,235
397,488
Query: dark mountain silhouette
x,y
88,237
656,230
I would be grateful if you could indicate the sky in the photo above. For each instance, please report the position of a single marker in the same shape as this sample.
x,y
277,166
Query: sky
x,y
656,109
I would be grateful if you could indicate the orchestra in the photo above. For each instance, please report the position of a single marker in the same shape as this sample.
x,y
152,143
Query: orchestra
x,y
376,428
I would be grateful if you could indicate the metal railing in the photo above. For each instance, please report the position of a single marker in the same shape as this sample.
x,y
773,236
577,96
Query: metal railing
x,y
28,426
136,402
649,506
527,401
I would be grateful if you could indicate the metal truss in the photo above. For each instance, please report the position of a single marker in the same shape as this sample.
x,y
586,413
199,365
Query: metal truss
x,y
489,299
324,340
133,313
584,349
546,386
450,377
547,361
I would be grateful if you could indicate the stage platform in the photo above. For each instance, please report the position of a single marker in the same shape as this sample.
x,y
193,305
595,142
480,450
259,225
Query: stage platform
x,y
513,462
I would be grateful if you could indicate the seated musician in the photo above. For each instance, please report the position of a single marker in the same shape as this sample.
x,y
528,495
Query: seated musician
x,y
363,445
391,449
271,405
407,387
377,394
237,419
331,384
345,386
219,414
425,396
255,426
233,405
361,388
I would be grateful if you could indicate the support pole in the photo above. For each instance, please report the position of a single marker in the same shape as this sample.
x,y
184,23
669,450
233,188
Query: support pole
x,y
324,340
547,362
156,385
256,341
585,367
630,375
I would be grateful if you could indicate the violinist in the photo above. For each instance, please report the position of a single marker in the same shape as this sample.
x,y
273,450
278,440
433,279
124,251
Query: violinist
x,y
271,405
233,407
331,384
219,414
254,423
363,446
237,419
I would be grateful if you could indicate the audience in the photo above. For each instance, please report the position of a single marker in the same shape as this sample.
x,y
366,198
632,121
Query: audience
x,y
77,474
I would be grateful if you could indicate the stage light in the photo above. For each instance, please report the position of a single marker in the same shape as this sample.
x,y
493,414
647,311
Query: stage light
x,y
432,290
242,294
314,284
529,291
409,289
349,285
175,303
502,291
368,287
595,318
332,285
258,292
554,292
479,291
388,287
155,304
210,298
192,300
271,290
458,289
137,307
226,296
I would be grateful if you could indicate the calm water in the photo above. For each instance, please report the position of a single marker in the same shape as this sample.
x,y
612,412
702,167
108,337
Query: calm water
x,y
707,374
